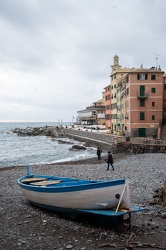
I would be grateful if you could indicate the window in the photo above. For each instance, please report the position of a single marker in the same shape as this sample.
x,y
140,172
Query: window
x,y
142,102
153,104
153,77
153,117
107,97
142,116
142,76
127,91
114,106
107,107
107,117
153,90
113,116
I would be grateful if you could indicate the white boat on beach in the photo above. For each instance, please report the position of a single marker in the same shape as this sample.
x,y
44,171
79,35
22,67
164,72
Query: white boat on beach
x,y
58,193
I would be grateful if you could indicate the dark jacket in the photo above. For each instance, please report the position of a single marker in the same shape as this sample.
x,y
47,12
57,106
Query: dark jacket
x,y
110,158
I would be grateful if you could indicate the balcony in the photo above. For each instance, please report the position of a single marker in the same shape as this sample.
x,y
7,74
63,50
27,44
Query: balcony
x,y
142,95
88,118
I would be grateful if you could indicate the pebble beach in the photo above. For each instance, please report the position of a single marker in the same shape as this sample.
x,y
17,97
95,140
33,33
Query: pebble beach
x,y
24,226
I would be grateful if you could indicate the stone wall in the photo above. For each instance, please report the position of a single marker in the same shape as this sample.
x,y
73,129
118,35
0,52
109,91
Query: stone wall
x,y
150,132
108,142
134,148
92,135
95,139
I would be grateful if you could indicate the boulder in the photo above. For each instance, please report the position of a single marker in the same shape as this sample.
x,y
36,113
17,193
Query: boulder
x,y
64,142
79,147
153,201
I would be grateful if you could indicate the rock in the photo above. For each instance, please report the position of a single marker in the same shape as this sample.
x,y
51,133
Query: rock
x,y
153,201
69,246
153,224
139,245
29,131
163,215
156,190
155,196
79,147
163,229
64,142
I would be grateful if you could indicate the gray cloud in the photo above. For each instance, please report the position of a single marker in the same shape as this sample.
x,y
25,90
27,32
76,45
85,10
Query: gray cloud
x,y
55,56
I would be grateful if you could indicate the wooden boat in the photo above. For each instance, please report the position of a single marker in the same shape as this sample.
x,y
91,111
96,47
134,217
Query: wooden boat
x,y
55,193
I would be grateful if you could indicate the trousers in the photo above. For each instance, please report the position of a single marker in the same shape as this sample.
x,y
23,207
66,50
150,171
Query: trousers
x,y
110,163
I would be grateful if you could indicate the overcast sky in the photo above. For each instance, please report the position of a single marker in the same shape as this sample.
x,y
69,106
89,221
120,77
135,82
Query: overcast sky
x,y
55,55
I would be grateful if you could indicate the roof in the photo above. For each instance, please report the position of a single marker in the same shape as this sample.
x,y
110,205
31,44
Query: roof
x,y
138,70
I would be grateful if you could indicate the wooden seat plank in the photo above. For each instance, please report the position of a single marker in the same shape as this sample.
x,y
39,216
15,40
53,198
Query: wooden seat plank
x,y
33,179
45,183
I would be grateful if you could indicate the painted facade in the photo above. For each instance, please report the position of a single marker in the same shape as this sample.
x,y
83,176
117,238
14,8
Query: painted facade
x,y
136,100
164,106
116,120
144,102
107,107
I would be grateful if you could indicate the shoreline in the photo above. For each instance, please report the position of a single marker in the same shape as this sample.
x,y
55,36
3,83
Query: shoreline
x,y
76,162
92,160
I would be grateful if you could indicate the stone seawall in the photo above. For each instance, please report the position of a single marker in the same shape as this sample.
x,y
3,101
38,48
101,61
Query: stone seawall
x,y
94,139
108,142
115,144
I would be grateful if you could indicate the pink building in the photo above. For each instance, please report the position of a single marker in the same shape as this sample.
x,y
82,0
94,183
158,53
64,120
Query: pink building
x,y
107,107
144,101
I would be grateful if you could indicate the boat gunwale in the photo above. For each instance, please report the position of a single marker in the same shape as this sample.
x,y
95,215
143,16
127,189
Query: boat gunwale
x,y
77,186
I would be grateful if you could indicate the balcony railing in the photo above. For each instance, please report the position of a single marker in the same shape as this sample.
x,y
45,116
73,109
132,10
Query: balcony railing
x,y
142,95
85,118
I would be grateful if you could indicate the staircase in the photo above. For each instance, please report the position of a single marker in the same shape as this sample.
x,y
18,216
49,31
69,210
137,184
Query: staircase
x,y
163,132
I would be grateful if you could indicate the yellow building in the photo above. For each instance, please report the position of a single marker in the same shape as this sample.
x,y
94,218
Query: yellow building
x,y
117,97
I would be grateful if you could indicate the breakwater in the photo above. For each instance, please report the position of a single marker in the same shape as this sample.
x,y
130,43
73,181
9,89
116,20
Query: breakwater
x,y
92,139
107,142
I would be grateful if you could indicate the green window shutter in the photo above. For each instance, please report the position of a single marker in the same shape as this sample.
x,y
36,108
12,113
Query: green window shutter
x,y
142,115
153,90
142,90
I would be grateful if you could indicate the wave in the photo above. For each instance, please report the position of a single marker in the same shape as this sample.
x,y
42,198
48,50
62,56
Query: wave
x,y
36,150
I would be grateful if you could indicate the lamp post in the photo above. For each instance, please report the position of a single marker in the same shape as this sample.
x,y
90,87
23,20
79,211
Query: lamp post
x,y
73,120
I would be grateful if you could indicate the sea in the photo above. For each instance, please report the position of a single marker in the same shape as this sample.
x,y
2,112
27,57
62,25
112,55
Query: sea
x,y
28,150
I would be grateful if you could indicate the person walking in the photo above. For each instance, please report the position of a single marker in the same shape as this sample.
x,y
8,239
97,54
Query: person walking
x,y
99,153
110,161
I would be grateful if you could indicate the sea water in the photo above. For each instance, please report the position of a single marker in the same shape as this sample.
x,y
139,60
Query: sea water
x,y
22,150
